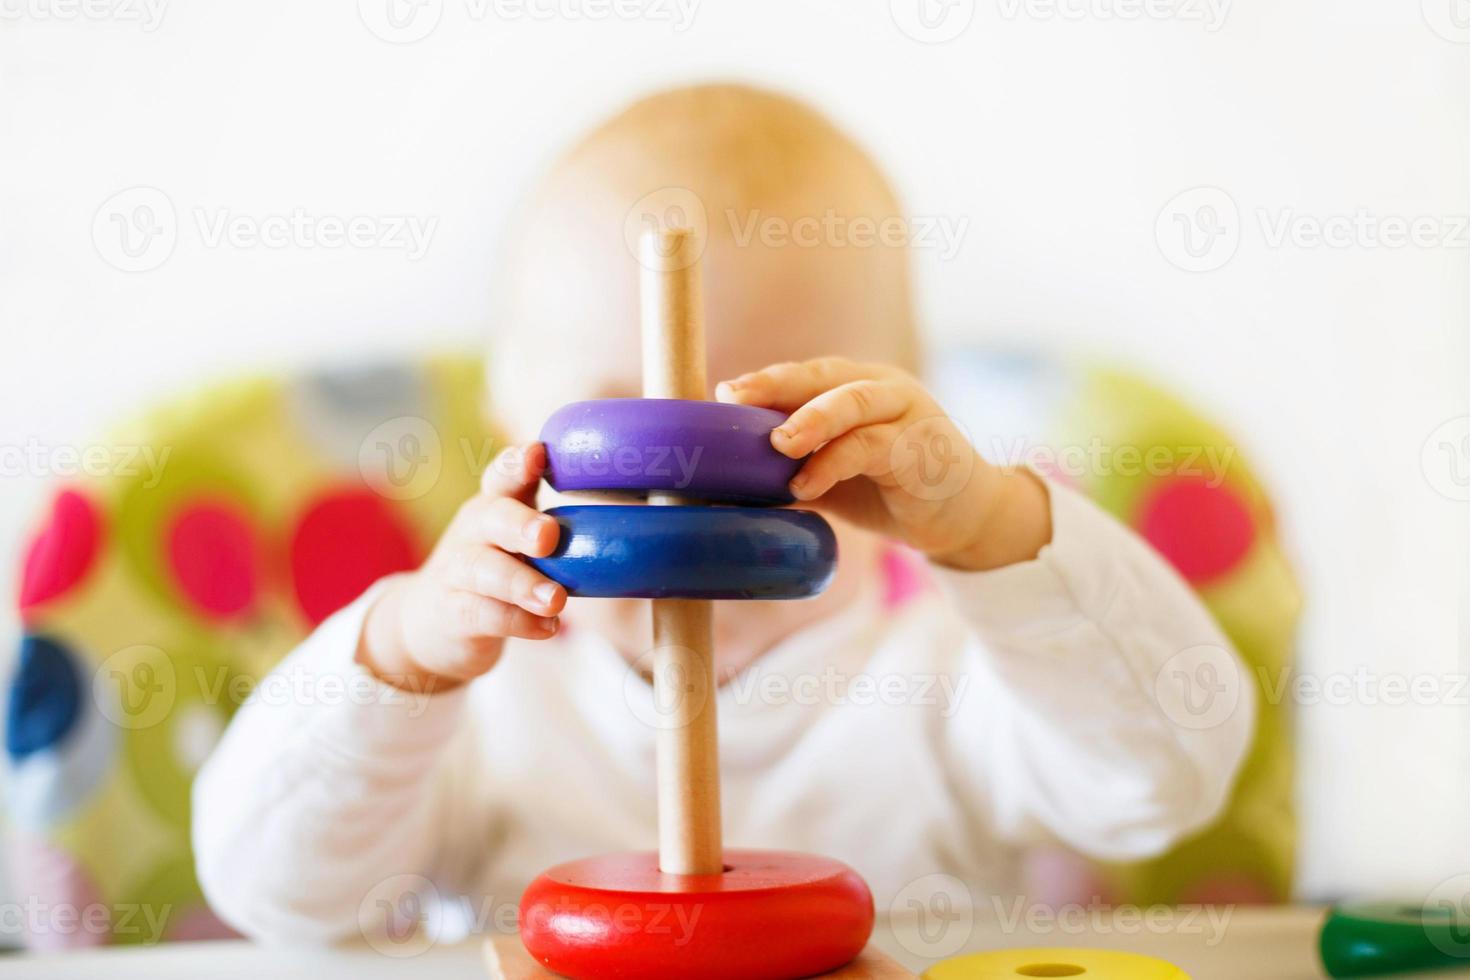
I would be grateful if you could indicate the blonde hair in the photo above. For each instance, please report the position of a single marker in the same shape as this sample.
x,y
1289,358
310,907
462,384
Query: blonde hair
x,y
734,149
732,143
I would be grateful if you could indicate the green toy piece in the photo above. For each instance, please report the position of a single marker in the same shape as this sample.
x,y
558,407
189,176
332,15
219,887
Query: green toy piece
x,y
1378,938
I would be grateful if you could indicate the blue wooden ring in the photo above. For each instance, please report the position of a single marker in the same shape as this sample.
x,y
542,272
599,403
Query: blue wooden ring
x,y
706,450
642,552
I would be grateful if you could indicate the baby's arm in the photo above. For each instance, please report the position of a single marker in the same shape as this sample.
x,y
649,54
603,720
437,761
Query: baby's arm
x,y
322,786
1119,713
1103,724
334,775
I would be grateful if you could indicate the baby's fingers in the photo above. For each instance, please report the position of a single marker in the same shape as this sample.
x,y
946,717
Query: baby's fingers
x,y
514,472
472,616
837,411
494,574
510,524
862,452
786,387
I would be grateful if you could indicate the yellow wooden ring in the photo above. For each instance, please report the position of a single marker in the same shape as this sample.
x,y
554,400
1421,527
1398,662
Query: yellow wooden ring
x,y
1086,964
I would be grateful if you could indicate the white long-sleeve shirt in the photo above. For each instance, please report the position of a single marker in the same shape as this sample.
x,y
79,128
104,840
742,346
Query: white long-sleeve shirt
x,y
1085,697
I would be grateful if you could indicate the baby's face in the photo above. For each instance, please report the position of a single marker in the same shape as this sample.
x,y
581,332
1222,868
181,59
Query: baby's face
x,y
570,332
571,328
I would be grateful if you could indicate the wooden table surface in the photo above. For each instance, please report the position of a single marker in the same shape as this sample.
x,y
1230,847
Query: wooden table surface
x,y
1226,944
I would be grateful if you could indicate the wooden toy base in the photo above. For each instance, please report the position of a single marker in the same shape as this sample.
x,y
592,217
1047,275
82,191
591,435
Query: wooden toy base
x,y
506,959
771,914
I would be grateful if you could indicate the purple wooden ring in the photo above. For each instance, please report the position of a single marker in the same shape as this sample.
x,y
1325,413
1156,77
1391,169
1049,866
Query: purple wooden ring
x,y
708,450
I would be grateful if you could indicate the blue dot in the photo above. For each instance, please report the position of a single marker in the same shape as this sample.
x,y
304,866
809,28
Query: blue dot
x,y
45,696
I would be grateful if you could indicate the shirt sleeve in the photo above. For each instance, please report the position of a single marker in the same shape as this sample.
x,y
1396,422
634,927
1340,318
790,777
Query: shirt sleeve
x,y
325,785
1116,713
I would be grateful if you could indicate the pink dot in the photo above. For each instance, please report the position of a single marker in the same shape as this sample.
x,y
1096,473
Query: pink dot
x,y
1229,888
1053,878
345,542
198,924
66,911
1203,530
213,554
903,574
60,556
1051,468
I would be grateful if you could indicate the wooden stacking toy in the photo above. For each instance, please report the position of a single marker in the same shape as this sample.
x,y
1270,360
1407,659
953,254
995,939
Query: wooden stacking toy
x,y
767,914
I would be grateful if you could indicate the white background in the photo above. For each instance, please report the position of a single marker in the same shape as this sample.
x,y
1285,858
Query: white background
x,y
1059,133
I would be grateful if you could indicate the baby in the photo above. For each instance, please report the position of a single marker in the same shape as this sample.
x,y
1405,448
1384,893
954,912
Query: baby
x,y
978,677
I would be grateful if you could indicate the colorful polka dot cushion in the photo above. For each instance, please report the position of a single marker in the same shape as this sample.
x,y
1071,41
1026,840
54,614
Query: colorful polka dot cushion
x,y
1185,487
152,598
232,524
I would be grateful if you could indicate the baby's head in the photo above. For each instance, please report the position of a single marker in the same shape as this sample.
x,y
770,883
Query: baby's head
x,y
804,249
804,256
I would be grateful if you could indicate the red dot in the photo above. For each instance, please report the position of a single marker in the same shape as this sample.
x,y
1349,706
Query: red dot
x,y
60,556
345,542
214,558
1203,530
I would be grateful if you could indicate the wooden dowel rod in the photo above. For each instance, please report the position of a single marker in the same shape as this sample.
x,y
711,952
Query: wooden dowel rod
x,y
689,838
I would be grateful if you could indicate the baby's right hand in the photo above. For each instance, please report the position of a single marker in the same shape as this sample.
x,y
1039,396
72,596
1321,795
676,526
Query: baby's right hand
x,y
446,623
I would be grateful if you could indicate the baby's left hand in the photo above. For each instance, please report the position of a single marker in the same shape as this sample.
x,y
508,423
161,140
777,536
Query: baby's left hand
x,y
885,457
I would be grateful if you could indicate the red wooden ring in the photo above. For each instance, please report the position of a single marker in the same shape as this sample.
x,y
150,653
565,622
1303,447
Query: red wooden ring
x,y
772,914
